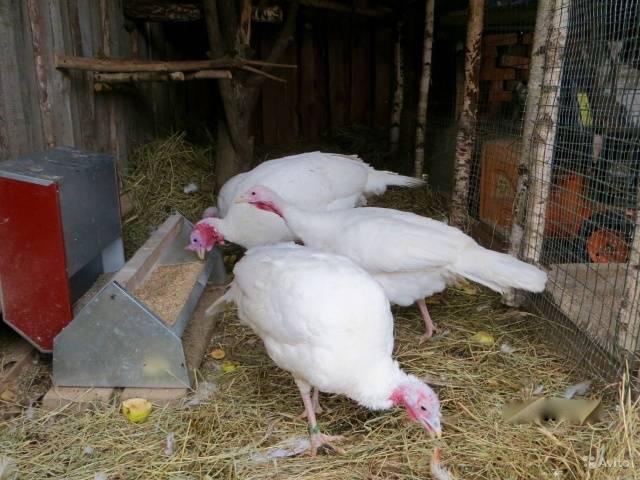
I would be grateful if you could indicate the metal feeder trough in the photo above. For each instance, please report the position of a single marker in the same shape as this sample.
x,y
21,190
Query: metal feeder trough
x,y
116,340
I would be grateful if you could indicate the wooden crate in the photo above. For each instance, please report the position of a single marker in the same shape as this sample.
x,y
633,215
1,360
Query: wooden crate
x,y
498,181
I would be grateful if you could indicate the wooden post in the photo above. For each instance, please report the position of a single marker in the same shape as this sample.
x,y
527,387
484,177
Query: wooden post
x,y
152,11
525,162
466,127
425,80
544,134
398,94
244,30
629,319
43,85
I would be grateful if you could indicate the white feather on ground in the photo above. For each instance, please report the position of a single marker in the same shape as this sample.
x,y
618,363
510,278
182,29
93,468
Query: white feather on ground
x,y
577,389
437,470
190,188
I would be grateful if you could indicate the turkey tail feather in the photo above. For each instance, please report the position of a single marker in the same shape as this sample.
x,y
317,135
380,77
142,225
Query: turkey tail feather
x,y
379,180
499,271
228,297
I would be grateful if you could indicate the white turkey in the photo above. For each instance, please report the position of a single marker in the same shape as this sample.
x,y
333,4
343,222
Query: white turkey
x,y
327,322
313,181
411,256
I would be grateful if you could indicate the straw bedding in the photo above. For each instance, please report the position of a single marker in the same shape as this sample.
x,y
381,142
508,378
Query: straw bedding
x,y
254,409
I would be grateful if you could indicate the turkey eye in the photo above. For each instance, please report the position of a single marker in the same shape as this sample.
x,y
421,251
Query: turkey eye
x,y
422,408
253,193
194,240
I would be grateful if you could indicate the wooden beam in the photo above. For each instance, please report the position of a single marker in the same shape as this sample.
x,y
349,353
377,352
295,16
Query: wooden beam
x,y
174,12
208,74
335,6
114,65
514,61
267,14
244,31
494,17
155,11
138,77
134,77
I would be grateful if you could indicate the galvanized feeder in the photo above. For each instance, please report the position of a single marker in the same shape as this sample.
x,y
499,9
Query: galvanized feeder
x,y
116,340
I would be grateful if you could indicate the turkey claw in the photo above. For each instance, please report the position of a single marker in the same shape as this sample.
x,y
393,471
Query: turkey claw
x,y
427,335
319,440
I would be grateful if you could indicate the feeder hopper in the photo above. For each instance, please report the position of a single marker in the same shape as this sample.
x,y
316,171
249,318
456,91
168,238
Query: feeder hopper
x,y
59,230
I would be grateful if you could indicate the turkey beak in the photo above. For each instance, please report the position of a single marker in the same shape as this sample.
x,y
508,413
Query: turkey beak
x,y
434,431
241,199
200,251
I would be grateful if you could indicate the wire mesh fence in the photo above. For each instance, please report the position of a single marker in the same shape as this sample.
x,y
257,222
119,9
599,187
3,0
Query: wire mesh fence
x,y
583,201
578,165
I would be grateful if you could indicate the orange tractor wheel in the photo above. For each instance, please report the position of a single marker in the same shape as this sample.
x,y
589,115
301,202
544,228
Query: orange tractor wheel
x,y
607,246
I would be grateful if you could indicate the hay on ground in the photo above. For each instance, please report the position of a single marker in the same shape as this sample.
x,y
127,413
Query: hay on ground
x,y
256,405
159,173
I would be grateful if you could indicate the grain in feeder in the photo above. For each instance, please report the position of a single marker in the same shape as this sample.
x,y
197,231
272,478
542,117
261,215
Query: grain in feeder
x,y
129,334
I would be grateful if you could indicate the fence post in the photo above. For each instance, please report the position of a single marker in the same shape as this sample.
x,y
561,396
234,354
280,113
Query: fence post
x,y
544,134
465,139
525,162
629,319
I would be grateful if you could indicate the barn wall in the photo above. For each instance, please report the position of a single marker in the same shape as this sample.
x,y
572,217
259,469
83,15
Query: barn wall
x,y
344,76
41,107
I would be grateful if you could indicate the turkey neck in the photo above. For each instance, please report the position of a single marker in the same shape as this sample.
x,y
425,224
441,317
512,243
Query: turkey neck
x,y
223,227
375,387
310,227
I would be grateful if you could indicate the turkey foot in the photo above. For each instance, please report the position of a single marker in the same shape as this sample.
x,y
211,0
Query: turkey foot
x,y
430,327
319,440
316,405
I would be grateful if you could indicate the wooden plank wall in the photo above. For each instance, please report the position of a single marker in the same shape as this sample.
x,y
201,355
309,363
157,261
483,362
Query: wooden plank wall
x,y
344,76
41,107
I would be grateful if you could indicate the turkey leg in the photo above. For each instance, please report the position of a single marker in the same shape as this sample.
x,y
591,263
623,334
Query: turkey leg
x,y
430,327
316,404
317,439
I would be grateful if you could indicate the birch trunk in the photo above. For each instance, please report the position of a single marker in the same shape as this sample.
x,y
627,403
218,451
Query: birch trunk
x,y
425,80
398,94
544,134
466,127
525,162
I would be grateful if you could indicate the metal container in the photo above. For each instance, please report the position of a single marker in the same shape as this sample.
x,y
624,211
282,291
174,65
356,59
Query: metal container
x,y
116,340
59,230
